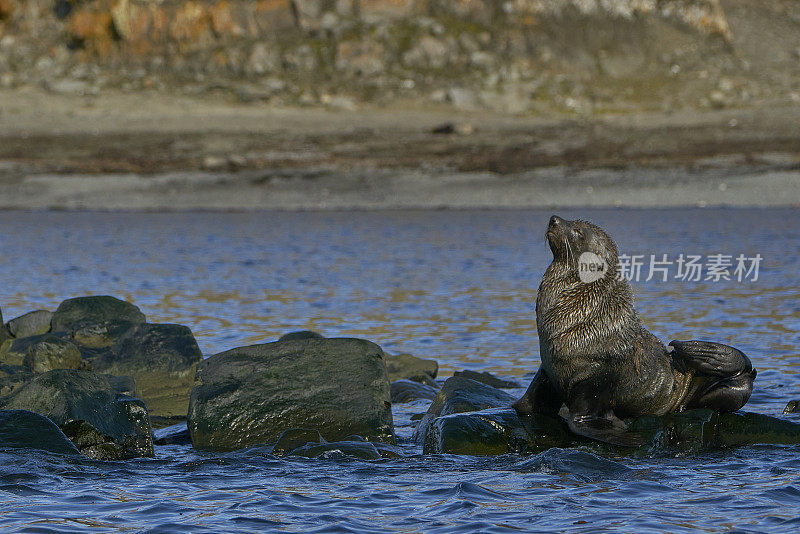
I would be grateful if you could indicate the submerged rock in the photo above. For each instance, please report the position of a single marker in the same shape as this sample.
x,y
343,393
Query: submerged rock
x,y
34,323
295,438
250,395
161,358
792,407
493,432
23,429
52,352
488,379
72,314
459,395
95,411
408,367
355,449
302,334
408,390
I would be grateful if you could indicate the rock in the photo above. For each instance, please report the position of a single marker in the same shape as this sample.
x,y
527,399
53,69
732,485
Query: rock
x,y
460,395
73,314
250,395
34,323
462,98
23,429
295,438
792,407
13,377
51,353
160,357
388,450
302,334
408,390
172,435
262,60
493,432
406,366
488,379
101,335
500,431
428,53
95,411
356,449
13,351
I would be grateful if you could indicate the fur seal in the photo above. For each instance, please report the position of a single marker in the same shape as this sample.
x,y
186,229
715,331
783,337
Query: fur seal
x,y
598,359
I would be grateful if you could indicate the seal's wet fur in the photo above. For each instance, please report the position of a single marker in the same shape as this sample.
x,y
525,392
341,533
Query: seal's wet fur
x,y
598,358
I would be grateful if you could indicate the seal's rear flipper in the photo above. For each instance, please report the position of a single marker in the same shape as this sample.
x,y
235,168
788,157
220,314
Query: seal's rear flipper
x,y
541,397
711,359
608,429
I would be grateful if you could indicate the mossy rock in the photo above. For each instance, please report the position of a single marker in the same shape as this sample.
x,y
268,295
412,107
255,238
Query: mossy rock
x,y
408,367
52,352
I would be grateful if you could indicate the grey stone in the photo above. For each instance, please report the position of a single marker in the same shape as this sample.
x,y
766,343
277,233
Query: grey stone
x,y
75,313
51,353
408,367
408,390
34,323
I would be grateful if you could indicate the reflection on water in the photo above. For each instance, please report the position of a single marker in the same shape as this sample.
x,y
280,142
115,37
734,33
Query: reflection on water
x,y
455,286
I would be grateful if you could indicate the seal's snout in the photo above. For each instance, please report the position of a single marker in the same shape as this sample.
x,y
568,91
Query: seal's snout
x,y
556,221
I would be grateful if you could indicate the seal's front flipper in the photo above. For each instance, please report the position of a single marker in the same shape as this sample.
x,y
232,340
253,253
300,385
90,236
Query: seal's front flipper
x,y
711,359
541,397
728,394
608,429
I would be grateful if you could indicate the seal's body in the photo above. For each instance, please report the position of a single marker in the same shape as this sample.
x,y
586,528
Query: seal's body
x,y
600,361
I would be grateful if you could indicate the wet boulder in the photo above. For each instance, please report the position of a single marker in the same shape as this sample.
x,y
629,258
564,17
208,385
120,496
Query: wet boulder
x,y
34,323
161,358
302,334
408,390
72,314
4,333
250,395
459,395
97,412
493,432
408,367
51,352
295,438
363,450
23,429
792,407
488,379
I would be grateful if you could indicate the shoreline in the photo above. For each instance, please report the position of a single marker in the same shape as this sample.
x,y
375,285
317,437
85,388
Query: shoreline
x,y
134,152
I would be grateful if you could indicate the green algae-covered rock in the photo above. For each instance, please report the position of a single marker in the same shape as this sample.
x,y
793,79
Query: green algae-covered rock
x,y
75,313
250,395
52,352
23,429
161,358
95,411
408,367
34,323
459,395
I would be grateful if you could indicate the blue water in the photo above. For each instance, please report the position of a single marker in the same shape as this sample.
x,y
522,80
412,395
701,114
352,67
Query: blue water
x,y
457,286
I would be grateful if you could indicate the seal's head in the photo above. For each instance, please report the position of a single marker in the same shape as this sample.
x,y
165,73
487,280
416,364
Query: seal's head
x,y
574,243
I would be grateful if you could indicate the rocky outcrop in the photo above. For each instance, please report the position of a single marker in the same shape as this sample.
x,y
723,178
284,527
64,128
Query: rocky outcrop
x,y
23,429
51,352
97,412
161,358
251,395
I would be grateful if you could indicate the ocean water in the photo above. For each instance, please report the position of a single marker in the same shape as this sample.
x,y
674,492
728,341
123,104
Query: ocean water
x,y
456,286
